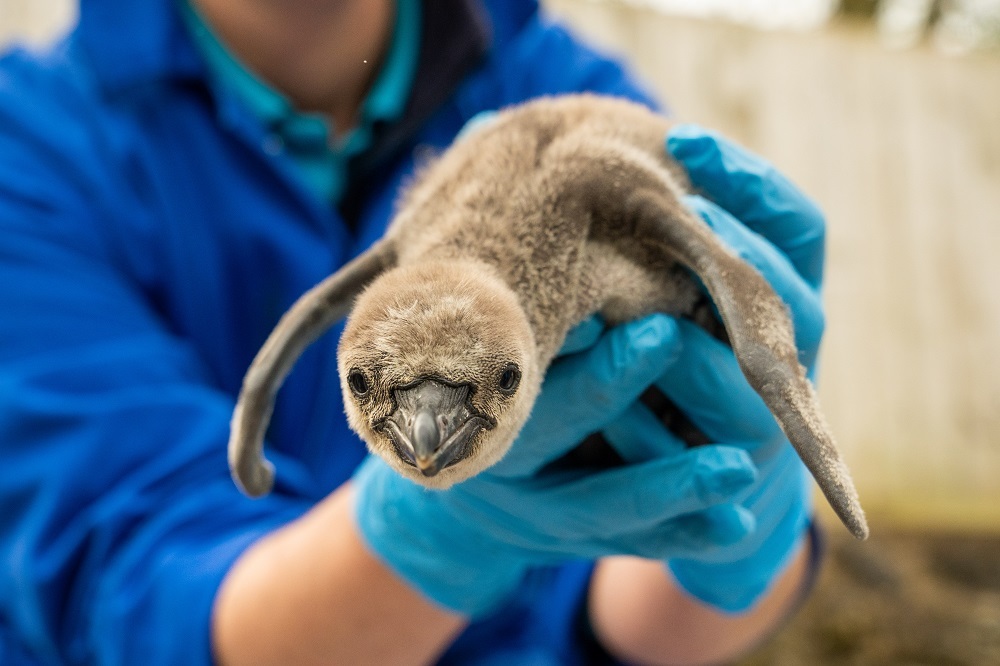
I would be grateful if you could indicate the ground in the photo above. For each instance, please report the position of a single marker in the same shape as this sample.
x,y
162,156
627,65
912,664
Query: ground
x,y
906,598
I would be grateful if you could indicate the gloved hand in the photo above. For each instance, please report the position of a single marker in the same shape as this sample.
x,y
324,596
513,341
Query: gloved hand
x,y
468,547
479,121
770,223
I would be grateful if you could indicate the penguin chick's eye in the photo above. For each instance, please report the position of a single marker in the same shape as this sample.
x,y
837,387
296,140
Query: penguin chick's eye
x,y
358,383
509,379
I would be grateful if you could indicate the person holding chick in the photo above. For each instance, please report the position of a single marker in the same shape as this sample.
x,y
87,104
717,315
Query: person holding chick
x,y
175,174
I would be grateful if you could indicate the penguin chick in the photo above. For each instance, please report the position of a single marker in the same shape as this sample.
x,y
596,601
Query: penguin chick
x,y
439,369
560,208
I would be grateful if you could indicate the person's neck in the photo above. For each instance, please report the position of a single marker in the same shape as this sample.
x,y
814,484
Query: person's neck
x,y
322,54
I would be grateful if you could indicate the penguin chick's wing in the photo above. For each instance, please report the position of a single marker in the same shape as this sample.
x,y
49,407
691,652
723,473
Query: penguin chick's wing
x,y
311,315
761,334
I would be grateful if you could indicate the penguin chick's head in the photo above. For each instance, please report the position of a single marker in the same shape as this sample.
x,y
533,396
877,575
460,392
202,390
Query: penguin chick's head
x,y
439,369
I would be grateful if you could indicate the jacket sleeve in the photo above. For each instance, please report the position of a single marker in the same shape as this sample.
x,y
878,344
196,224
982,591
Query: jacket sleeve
x,y
118,518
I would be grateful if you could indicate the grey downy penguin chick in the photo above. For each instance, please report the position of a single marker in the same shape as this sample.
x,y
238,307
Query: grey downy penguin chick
x,y
560,208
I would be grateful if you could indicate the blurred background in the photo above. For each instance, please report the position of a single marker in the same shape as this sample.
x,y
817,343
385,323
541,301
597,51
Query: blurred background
x,y
888,113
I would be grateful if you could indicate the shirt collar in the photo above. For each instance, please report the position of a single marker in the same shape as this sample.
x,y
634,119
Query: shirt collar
x,y
387,98
384,102
226,72
131,42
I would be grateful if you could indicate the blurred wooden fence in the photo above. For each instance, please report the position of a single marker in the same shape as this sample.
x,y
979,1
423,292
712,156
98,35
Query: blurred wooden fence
x,y
903,152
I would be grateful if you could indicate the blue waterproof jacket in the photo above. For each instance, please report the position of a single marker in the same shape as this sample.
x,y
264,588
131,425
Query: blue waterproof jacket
x,y
151,235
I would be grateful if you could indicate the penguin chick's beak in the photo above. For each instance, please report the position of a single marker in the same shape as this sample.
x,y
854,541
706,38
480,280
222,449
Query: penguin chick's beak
x,y
433,424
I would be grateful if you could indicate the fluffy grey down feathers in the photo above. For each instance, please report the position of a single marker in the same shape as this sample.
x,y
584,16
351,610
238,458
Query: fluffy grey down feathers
x,y
560,208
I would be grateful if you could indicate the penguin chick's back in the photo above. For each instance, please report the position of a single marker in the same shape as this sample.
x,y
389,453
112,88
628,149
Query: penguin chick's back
x,y
523,194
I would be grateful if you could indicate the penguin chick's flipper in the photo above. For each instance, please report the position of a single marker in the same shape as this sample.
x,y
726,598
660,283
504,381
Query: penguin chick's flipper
x,y
760,331
311,315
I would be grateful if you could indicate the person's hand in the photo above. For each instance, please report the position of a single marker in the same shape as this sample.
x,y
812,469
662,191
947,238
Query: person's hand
x,y
768,222
468,547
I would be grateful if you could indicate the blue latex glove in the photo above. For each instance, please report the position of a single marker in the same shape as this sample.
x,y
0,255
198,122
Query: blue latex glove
x,y
768,222
468,547
479,121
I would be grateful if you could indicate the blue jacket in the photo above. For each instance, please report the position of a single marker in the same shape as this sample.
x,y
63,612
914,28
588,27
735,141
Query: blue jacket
x,y
149,240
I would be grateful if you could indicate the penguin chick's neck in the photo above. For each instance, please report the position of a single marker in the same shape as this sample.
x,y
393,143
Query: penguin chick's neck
x,y
526,301
541,307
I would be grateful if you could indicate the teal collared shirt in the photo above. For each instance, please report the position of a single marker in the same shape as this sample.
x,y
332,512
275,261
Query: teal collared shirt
x,y
309,138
